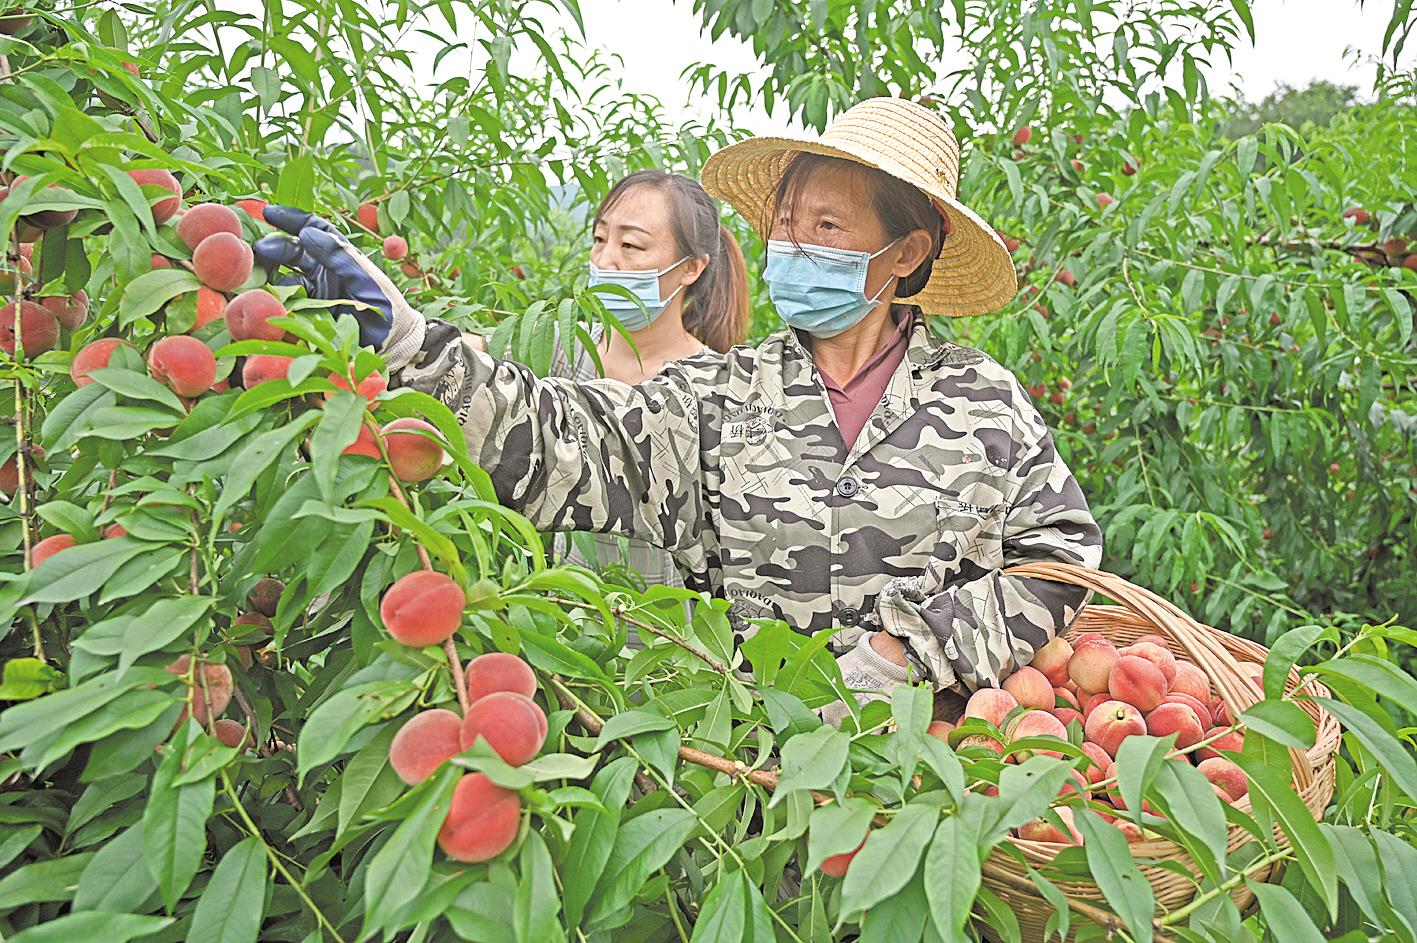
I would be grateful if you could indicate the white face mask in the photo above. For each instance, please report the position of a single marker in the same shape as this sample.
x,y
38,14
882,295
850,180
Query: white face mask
x,y
821,289
644,284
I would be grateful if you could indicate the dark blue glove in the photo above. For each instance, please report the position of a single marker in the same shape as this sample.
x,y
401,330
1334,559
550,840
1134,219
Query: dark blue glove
x,y
329,269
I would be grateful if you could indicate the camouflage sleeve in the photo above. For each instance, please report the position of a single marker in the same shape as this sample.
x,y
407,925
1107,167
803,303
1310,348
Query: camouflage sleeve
x,y
974,631
598,456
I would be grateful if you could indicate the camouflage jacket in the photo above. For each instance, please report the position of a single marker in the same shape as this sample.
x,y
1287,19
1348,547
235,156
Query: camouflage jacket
x,y
734,464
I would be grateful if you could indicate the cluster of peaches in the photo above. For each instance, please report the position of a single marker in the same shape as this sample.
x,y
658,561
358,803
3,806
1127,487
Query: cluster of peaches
x,y
484,818
1111,693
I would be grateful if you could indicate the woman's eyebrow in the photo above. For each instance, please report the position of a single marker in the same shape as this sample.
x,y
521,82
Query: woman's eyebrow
x,y
636,228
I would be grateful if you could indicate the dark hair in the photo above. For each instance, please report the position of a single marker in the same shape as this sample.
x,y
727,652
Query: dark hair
x,y
900,207
716,305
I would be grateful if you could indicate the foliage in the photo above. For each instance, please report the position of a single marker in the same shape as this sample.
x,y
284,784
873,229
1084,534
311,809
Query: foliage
x,y
654,812
1316,103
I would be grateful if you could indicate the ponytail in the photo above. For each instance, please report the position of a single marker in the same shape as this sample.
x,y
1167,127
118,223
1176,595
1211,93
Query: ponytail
x,y
716,305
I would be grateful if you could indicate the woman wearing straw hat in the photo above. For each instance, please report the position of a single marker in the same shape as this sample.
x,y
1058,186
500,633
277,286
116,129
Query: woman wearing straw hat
x,y
852,471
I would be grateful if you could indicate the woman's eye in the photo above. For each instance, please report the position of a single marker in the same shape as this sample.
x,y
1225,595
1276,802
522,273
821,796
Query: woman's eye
x,y
829,225
599,240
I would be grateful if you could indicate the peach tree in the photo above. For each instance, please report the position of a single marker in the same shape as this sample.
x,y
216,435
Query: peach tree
x,y
280,666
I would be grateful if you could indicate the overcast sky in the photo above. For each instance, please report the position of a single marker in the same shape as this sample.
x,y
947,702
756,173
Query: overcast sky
x,y
1296,41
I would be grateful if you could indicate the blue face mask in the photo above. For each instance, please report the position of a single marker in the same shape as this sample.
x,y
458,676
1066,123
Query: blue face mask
x,y
643,284
819,289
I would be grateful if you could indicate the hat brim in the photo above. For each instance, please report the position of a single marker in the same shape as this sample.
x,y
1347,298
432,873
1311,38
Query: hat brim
x,y
973,273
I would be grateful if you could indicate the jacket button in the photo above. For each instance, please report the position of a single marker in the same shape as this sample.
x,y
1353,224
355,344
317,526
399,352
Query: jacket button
x,y
847,487
654,406
849,617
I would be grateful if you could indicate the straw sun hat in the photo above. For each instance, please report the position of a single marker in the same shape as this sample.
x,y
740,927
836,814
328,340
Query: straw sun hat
x,y
973,273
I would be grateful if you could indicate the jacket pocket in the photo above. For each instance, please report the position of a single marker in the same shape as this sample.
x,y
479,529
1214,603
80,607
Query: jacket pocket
x,y
967,531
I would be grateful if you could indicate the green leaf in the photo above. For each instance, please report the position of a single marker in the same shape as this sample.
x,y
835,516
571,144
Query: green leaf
x,y
1187,798
812,760
339,427
116,878
233,902
724,918
135,385
51,879
899,917
175,826
644,844
1139,759
911,706
1026,790
952,867
538,899
594,836
147,293
255,459
1375,675
92,925
889,859
1109,859
1286,918
1284,722
836,829
1395,757
399,869
629,724
330,725
1288,649
1272,790
79,571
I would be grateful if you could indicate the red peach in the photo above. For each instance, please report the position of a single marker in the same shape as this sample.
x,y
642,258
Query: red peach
x,y
1138,682
264,597
940,729
395,248
1089,637
1232,742
1102,766
1178,719
425,741
1022,135
93,356
1030,688
113,531
835,866
1111,723
206,219
1202,711
981,740
1191,680
184,363
1042,830
991,704
1158,655
254,208
69,310
511,723
368,216
39,329
50,546
1052,660
1037,723
482,821
163,209
215,684
211,305
1066,715
1130,830
223,261
1066,697
423,608
370,387
262,368
1221,712
233,734
1226,775
248,316
364,444
1091,665
499,671
414,456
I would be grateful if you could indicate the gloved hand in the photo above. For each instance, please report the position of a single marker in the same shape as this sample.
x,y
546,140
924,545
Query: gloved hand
x,y
329,268
864,669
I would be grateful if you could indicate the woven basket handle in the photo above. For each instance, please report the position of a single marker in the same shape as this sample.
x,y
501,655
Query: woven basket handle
x,y
1200,642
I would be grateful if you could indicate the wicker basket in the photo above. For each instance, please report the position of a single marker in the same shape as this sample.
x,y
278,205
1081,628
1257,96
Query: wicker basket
x,y
1142,612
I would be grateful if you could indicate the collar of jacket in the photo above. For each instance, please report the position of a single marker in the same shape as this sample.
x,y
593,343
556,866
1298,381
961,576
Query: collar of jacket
x,y
925,350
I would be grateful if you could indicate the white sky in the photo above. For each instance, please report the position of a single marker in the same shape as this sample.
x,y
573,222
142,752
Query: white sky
x,y
1296,41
